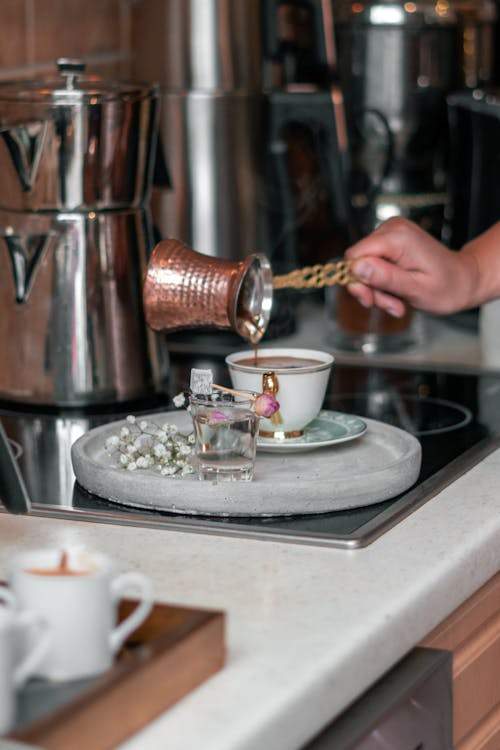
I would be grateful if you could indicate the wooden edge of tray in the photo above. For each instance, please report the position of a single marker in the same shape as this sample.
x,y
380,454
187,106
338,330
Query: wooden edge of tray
x,y
169,655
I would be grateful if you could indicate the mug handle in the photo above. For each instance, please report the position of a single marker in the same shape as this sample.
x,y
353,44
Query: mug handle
x,y
42,640
146,596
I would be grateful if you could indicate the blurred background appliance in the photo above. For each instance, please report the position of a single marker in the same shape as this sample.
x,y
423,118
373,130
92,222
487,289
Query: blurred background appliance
x,y
474,185
397,62
76,159
246,100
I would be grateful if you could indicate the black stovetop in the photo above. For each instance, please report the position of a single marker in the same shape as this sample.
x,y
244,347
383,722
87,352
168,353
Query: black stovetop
x,y
453,415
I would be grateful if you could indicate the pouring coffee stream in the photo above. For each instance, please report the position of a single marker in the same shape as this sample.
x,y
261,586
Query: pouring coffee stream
x,y
186,289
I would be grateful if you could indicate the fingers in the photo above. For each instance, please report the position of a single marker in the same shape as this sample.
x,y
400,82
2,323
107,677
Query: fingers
x,y
392,305
400,261
384,276
375,245
362,293
368,297
388,240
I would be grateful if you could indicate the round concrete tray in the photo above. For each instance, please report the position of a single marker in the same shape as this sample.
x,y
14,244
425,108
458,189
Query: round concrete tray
x,y
379,465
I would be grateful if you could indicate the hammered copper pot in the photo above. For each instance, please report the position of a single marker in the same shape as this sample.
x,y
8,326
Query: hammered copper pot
x,y
187,289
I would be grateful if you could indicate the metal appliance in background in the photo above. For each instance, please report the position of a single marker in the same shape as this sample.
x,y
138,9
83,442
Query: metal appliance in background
x,y
230,107
76,162
397,62
474,188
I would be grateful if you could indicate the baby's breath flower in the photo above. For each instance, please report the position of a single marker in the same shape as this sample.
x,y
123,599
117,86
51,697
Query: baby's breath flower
x,y
147,445
179,400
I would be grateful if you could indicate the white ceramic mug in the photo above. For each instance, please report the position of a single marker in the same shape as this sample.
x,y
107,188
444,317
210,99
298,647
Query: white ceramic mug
x,y
79,602
17,663
299,389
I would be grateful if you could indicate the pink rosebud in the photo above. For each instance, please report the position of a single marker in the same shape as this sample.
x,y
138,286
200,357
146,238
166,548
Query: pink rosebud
x,y
265,405
218,416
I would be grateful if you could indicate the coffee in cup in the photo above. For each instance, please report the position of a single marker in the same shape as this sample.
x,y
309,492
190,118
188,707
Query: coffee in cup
x,y
77,593
296,377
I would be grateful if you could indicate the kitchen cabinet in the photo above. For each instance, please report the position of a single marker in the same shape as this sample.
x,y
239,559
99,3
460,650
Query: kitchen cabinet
x,y
472,633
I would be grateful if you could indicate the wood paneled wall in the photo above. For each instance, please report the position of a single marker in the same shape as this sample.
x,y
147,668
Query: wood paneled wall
x,y
34,33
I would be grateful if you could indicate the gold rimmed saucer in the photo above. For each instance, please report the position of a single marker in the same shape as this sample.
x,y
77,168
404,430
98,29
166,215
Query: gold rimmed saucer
x,y
329,428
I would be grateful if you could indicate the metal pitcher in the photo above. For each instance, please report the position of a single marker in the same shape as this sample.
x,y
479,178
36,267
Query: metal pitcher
x,y
72,328
76,158
75,142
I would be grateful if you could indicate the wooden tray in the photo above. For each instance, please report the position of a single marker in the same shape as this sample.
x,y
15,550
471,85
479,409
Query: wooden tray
x,y
173,652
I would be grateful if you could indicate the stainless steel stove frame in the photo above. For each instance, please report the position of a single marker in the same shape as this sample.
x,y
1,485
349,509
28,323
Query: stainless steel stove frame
x,y
366,533
343,529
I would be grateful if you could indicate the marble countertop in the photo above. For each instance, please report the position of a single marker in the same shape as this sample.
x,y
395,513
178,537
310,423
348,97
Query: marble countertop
x,y
309,629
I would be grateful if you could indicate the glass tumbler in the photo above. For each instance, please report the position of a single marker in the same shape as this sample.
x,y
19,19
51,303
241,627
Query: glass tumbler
x,y
225,429
352,327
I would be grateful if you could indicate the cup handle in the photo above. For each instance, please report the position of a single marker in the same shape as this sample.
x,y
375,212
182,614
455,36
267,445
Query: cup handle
x,y
33,658
146,596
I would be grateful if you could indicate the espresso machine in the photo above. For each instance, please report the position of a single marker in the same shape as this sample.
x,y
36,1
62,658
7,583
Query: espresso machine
x,y
76,161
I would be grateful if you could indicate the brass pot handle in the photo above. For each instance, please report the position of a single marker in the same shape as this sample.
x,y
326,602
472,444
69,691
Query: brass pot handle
x,y
315,277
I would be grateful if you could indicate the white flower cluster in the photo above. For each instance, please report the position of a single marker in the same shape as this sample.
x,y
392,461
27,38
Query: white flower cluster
x,y
145,445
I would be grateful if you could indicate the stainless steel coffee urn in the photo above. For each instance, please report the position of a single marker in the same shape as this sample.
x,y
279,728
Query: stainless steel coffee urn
x,y
76,160
227,104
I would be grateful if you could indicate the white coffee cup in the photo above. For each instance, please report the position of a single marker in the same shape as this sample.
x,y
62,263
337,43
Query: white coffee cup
x,y
300,389
17,663
79,603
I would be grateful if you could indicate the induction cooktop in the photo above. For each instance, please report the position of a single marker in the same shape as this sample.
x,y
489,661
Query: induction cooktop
x,y
454,416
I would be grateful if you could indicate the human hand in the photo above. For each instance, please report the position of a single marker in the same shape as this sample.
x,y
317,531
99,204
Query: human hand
x,y
399,262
